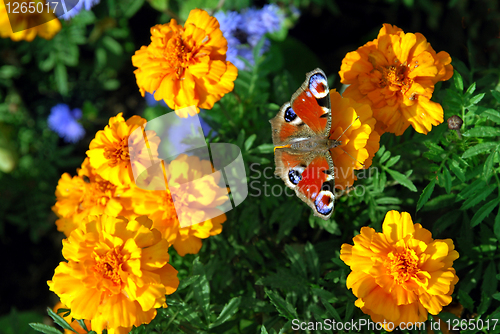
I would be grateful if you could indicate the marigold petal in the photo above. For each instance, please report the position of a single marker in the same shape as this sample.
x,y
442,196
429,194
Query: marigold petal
x,y
396,226
380,302
190,245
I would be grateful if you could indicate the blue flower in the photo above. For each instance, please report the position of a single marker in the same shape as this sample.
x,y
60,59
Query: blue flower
x,y
272,17
244,31
229,21
252,23
63,121
69,8
151,101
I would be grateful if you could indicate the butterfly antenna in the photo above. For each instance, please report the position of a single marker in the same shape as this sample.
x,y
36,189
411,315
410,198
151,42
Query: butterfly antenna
x,y
347,128
362,164
342,192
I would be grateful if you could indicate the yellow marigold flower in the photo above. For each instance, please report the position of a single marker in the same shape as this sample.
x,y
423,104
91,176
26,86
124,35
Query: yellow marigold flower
x,y
186,66
73,323
86,194
204,193
21,21
401,274
116,274
396,74
358,144
110,153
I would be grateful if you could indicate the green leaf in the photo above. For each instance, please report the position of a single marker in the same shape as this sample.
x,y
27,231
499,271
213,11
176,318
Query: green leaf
x,y
482,131
263,330
82,324
7,160
388,201
457,170
489,280
249,141
492,115
403,180
191,316
478,197
46,329
440,201
133,7
496,226
458,82
471,89
112,45
312,260
483,307
426,194
297,261
465,300
469,190
392,161
61,76
444,221
59,320
447,179
227,312
201,290
264,148
48,63
187,282
483,212
284,308
331,310
159,5
496,95
385,156
478,149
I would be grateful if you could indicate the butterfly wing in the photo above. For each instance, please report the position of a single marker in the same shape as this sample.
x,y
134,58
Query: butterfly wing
x,y
310,175
308,114
305,167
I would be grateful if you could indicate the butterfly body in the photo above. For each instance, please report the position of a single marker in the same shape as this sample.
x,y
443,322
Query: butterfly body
x,y
301,136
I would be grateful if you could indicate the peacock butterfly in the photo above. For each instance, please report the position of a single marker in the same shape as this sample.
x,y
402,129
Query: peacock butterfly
x,y
301,132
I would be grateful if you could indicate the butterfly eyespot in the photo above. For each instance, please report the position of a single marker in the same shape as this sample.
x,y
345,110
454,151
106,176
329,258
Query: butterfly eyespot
x,y
294,176
318,85
290,115
324,202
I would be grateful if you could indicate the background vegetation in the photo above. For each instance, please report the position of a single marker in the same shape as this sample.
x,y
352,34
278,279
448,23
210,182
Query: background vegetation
x,y
273,261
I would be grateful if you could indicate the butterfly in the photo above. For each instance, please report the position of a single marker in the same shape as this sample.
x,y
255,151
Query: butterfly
x,y
301,132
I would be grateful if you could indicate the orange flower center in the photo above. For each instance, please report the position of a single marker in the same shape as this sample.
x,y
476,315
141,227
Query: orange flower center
x,y
395,77
402,265
117,153
178,55
97,193
108,266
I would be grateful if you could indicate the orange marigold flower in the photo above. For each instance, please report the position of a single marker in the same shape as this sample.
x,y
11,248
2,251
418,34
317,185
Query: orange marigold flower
x,y
358,144
401,274
21,22
196,204
186,66
116,274
110,153
72,322
396,74
86,194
